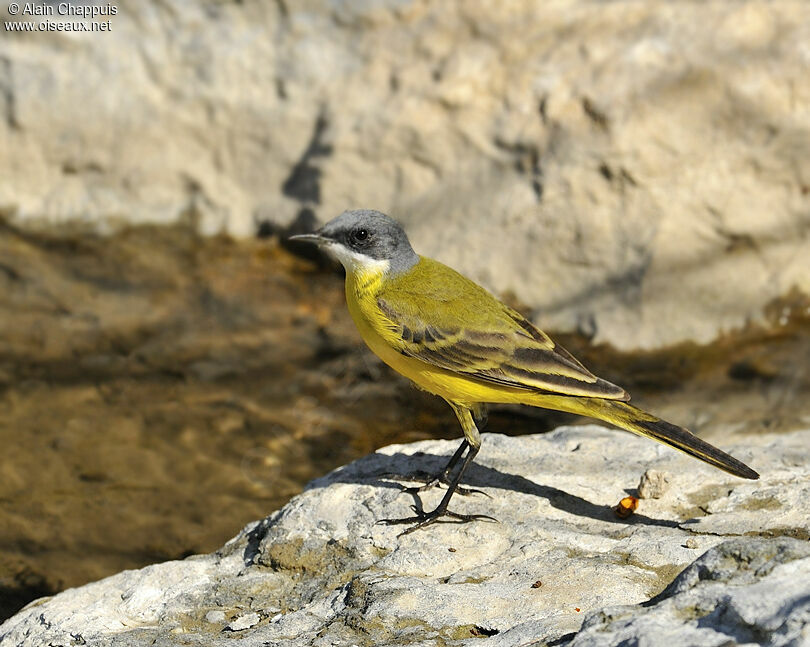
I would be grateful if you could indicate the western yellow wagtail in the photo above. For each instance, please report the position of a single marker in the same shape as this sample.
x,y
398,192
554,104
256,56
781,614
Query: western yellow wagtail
x,y
454,339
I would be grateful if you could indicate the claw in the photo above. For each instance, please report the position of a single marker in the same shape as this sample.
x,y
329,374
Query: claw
x,y
424,519
466,491
429,482
434,482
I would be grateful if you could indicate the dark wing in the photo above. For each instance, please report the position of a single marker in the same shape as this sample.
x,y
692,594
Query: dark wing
x,y
466,330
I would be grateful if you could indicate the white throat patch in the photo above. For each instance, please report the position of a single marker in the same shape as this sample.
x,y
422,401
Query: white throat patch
x,y
354,262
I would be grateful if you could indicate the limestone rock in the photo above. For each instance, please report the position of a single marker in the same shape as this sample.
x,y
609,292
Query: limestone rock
x,y
575,155
653,484
321,571
740,592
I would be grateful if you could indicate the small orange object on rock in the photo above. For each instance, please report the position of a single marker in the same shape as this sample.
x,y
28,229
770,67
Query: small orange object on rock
x,y
626,507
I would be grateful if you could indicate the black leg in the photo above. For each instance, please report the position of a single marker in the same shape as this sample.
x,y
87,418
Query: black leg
x,y
424,519
442,478
445,473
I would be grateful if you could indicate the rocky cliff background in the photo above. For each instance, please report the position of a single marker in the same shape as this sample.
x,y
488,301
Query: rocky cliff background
x,y
633,176
636,171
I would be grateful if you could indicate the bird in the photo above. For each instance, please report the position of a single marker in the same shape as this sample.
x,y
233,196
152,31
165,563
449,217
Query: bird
x,y
454,339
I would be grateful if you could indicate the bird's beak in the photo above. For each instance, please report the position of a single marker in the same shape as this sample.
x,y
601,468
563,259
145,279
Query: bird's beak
x,y
315,238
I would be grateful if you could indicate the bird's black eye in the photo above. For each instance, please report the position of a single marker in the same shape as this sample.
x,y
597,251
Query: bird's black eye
x,y
360,235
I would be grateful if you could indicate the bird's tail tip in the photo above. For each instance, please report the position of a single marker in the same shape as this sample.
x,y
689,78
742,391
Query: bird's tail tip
x,y
685,441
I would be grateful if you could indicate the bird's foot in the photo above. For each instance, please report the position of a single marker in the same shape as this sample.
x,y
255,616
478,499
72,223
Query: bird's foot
x,y
429,482
423,519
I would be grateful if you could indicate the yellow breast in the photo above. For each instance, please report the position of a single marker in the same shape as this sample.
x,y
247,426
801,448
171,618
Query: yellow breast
x,y
362,287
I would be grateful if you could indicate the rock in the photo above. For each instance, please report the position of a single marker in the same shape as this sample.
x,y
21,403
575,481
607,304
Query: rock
x,y
573,155
743,591
240,623
322,571
653,484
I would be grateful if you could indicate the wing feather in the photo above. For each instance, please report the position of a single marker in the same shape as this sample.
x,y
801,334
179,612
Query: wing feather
x,y
494,344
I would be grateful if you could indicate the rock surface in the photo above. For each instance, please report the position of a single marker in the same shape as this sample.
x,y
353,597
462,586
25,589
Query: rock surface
x,y
741,592
576,155
321,571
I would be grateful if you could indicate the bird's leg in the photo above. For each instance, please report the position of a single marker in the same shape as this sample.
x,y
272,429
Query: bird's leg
x,y
472,442
443,477
423,519
479,413
429,481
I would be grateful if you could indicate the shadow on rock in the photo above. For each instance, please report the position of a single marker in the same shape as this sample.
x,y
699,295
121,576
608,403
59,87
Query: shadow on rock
x,y
381,470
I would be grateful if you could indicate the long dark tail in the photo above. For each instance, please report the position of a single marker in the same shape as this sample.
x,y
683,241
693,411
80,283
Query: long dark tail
x,y
642,423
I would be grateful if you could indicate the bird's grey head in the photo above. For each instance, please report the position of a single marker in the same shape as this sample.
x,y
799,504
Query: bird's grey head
x,y
364,238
